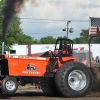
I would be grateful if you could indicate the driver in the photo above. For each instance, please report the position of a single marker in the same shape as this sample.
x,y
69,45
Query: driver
x,y
50,53
65,49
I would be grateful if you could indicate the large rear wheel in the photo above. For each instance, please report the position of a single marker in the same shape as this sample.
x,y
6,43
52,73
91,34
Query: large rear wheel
x,y
73,79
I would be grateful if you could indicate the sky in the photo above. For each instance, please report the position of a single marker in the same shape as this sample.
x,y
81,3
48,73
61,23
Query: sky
x,y
42,18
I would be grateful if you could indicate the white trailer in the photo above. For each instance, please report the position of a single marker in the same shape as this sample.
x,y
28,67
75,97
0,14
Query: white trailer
x,y
40,48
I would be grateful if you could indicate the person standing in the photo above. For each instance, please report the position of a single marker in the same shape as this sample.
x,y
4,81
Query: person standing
x,y
93,62
84,61
94,65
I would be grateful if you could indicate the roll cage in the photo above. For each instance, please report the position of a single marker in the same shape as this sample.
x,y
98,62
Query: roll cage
x,y
61,45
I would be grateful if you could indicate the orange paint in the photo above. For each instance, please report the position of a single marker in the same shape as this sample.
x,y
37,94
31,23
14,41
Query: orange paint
x,y
18,66
63,60
32,66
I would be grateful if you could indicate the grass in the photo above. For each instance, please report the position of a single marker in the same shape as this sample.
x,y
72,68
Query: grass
x,y
28,86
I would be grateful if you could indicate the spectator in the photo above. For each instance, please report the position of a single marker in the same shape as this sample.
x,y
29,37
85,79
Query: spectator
x,y
84,61
94,66
93,62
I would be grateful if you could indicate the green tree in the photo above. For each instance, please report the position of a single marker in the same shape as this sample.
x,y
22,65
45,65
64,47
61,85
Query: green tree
x,y
84,33
1,2
15,33
84,37
79,40
47,40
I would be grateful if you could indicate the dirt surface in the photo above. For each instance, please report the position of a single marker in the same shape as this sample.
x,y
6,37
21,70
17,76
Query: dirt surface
x,y
37,94
32,92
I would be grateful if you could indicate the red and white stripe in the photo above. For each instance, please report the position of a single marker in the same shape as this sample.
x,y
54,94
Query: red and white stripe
x,y
93,30
80,48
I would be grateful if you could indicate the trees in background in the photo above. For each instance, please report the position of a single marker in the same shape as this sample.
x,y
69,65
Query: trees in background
x,y
84,37
48,40
15,34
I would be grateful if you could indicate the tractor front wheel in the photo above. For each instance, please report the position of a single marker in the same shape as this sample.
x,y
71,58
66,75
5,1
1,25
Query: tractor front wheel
x,y
9,85
73,79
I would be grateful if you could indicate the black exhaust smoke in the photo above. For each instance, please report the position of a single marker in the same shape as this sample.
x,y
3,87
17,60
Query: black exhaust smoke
x,y
10,7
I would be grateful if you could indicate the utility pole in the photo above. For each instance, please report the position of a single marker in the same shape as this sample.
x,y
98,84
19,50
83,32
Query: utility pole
x,y
68,22
67,29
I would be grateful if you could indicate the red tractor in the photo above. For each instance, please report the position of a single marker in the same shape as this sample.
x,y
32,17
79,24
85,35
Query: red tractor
x,y
57,73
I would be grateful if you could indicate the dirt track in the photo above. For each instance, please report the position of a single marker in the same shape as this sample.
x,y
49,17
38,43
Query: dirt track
x,y
38,95
31,93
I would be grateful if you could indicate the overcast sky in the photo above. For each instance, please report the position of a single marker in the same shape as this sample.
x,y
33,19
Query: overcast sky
x,y
48,17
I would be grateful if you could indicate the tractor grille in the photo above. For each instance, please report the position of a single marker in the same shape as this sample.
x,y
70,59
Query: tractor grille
x,y
3,67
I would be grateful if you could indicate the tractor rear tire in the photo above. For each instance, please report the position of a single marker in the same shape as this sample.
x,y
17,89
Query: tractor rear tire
x,y
9,85
73,79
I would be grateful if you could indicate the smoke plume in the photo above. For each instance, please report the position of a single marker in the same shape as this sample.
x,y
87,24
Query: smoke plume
x,y
10,7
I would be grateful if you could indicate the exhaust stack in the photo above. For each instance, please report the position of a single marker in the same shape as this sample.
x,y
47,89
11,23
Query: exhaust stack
x,y
3,44
9,9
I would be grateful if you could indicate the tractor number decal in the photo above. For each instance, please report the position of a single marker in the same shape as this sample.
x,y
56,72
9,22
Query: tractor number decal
x,y
31,69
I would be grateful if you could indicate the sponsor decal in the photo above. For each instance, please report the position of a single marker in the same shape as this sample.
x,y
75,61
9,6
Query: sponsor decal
x,y
48,47
31,66
31,69
29,72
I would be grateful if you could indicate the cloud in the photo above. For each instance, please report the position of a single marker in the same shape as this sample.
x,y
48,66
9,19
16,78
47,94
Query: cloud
x,y
59,10
92,5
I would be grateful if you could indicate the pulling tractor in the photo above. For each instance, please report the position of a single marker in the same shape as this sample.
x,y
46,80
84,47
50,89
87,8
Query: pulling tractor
x,y
57,73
